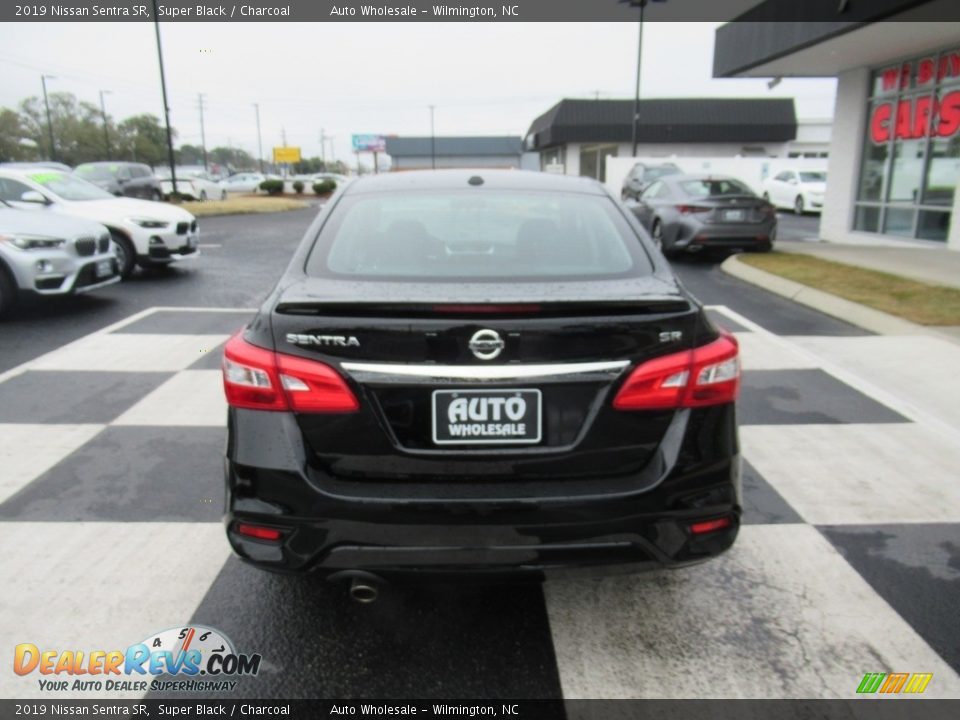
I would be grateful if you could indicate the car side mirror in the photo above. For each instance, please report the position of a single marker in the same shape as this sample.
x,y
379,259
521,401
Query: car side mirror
x,y
32,196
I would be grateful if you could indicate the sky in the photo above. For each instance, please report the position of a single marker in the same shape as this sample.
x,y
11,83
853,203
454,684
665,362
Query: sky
x,y
345,78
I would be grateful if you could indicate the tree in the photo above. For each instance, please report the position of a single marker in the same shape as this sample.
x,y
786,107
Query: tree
x,y
235,158
143,139
77,128
189,155
15,143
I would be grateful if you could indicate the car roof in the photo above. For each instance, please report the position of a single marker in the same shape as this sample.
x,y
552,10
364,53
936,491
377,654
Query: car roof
x,y
699,176
492,179
26,172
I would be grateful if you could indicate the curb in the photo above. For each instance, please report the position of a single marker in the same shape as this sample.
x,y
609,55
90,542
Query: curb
x,y
862,316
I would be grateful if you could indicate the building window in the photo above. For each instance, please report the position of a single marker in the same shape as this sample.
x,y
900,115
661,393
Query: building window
x,y
911,148
593,160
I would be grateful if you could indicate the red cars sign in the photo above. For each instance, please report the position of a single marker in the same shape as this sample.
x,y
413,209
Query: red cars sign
x,y
923,116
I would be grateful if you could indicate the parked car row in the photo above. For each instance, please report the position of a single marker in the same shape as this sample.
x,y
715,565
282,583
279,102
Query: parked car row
x,y
138,180
60,234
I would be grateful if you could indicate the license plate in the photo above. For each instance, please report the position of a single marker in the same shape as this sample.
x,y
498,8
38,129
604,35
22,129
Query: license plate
x,y
104,268
733,215
486,417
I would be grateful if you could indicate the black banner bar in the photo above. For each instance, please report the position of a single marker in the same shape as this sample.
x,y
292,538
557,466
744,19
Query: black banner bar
x,y
872,708
853,11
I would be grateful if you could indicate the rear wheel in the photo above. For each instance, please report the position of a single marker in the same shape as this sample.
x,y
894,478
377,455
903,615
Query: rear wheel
x,y
156,196
126,255
223,194
203,196
798,207
657,232
8,293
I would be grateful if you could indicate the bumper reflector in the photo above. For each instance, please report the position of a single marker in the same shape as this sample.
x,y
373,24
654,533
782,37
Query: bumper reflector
x,y
259,532
709,526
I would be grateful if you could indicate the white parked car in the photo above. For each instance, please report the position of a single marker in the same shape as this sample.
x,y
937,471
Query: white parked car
x,y
242,182
193,183
145,233
798,190
46,254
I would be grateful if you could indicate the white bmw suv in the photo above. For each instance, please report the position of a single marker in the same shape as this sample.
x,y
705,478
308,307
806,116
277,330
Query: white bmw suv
x,y
144,233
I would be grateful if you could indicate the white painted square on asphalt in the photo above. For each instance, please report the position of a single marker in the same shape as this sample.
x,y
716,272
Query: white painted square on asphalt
x,y
29,450
759,351
873,474
917,369
782,615
129,352
191,397
100,586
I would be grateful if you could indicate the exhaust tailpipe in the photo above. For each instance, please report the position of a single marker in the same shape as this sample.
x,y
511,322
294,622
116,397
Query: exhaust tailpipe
x,y
364,591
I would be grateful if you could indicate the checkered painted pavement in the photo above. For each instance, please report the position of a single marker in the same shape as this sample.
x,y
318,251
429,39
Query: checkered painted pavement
x,y
849,560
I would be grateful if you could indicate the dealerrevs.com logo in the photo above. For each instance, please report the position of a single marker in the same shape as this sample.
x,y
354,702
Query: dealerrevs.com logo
x,y
194,658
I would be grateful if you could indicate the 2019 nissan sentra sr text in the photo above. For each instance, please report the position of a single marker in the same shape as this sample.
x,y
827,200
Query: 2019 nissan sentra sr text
x,y
491,372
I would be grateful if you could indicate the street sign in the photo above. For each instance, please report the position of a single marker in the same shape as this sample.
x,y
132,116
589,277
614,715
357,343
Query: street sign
x,y
286,154
369,143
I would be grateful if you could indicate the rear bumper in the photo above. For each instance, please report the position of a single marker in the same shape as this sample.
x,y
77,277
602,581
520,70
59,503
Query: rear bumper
x,y
327,529
693,237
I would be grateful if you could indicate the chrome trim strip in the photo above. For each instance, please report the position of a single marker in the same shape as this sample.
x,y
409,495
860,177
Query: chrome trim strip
x,y
398,372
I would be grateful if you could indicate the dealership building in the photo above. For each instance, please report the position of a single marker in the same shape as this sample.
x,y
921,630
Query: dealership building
x,y
577,136
894,157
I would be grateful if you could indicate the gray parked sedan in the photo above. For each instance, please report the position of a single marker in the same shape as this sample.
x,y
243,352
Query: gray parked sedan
x,y
46,254
689,213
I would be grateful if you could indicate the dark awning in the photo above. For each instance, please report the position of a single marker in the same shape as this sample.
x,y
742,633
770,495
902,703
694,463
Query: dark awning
x,y
673,120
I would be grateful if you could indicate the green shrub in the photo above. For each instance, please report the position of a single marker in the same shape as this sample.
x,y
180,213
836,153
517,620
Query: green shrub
x,y
298,187
272,187
324,187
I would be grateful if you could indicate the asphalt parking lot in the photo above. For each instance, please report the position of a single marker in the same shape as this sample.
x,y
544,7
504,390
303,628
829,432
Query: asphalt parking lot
x,y
111,439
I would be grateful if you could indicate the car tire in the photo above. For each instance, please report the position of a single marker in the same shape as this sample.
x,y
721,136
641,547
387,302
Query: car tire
x,y
656,232
203,196
8,293
156,196
126,254
223,194
766,197
798,206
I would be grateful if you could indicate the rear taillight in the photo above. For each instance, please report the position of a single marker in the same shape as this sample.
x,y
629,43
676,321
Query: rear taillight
x,y
259,532
259,379
707,375
709,526
691,209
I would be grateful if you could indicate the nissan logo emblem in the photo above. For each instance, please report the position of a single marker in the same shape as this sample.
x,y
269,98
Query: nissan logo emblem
x,y
486,344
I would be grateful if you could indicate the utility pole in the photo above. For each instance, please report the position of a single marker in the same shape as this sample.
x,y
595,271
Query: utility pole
x,y
256,106
433,142
106,131
46,104
636,99
166,106
203,135
323,147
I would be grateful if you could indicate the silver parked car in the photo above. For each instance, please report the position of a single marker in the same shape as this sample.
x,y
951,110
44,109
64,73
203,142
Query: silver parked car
x,y
47,254
690,213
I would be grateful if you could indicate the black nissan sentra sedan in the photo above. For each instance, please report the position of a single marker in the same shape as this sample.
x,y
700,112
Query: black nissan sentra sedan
x,y
484,371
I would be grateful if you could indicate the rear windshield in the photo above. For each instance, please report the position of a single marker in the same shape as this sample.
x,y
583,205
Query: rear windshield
x,y
658,172
477,235
714,188
96,172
